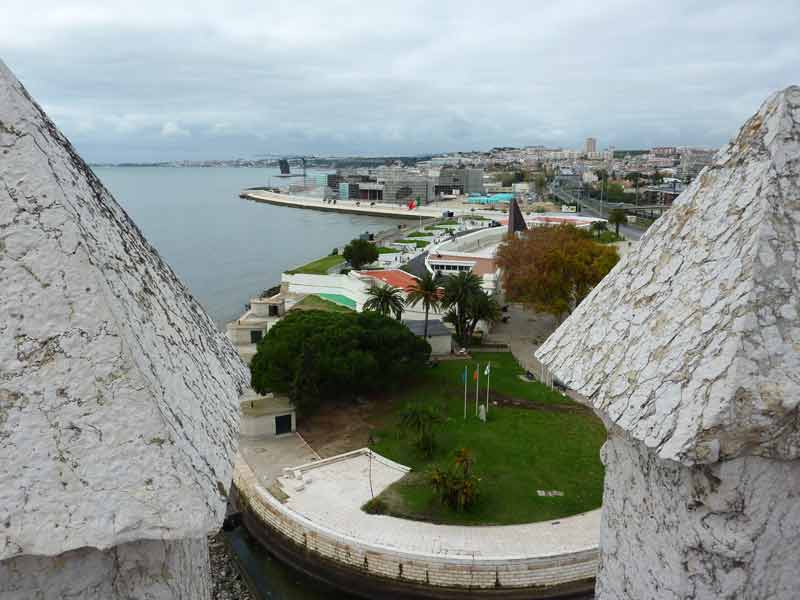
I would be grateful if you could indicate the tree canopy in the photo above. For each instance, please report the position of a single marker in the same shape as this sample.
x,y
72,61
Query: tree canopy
x,y
385,300
425,290
359,253
552,269
315,356
617,217
468,304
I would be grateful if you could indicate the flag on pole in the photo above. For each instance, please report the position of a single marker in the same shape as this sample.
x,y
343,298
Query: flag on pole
x,y
464,379
475,375
488,373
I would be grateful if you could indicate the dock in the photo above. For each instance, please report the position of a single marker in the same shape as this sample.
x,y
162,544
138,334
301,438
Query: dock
x,y
393,211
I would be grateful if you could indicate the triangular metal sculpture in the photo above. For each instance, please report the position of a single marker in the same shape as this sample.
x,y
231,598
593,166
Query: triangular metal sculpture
x,y
516,222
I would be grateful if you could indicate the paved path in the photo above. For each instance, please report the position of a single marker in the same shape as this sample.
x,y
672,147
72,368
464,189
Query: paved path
x,y
337,490
347,206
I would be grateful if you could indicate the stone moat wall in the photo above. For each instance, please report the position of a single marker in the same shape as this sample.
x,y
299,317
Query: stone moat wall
x,y
541,576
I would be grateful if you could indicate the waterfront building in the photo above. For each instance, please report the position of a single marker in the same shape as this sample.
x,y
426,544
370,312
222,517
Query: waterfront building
x,y
246,331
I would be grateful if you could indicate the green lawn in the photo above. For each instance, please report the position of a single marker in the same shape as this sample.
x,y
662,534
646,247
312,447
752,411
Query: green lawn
x,y
553,446
321,266
419,243
607,237
415,234
385,250
314,302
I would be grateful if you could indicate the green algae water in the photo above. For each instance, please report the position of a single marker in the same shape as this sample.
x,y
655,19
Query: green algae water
x,y
224,248
271,579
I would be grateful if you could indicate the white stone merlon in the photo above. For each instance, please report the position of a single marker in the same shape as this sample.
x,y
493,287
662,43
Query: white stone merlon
x,y
690,352
118,418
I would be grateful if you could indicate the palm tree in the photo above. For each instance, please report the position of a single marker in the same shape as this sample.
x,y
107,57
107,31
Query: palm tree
x,y
617,217
482,307
421,419
426,291
385,300
459,290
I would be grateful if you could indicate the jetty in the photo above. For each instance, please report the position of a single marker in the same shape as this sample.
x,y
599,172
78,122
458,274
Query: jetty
x,y
376,209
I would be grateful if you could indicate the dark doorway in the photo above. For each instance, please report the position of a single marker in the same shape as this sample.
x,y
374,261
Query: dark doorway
x,y
283,424
255,336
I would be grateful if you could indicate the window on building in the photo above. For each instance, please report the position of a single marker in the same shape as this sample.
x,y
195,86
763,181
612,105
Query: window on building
x,y
256,335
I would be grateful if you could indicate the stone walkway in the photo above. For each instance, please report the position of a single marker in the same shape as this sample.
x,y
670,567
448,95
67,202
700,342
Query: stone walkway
x,y
333,493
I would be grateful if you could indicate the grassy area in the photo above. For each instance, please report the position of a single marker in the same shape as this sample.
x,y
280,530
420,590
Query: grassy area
x,y
419,243
415,234
607,237
314,302
385,250
321,266
554,445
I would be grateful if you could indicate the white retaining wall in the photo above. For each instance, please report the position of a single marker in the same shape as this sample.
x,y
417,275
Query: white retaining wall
x,y
383,561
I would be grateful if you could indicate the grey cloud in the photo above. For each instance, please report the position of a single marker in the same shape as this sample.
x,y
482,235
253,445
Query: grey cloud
x,y
246,78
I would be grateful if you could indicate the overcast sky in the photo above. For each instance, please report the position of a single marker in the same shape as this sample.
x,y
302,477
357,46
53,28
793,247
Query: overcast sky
x,y
148,80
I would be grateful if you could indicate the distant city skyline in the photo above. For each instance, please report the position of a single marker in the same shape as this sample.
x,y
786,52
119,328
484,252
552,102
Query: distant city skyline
x,y
155,81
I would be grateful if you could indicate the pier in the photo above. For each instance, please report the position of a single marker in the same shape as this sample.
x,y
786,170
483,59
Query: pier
x,y
393,211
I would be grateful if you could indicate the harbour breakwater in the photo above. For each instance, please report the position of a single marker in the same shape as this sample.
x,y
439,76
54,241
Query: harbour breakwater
x,y
343,206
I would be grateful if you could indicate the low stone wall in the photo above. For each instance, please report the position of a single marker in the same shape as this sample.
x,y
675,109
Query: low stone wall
x,y
538,576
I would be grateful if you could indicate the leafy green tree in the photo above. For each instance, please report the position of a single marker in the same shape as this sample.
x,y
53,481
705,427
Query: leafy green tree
x,y
459,291
481,307
315,356
552,269
426,291
385,300
617,217
420,419
359,253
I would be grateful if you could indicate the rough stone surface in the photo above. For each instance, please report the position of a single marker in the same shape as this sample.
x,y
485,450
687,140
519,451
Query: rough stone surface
x,y
729,530
692,343
118,397
151,569
690,352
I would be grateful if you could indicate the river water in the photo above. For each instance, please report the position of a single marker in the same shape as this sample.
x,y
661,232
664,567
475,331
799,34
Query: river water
x,y
226,250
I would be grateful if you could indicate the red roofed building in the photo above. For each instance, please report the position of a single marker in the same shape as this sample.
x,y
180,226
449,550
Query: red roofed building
x,y
394,277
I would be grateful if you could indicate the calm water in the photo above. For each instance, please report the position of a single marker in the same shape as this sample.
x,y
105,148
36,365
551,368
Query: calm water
x,y
227,249
224,248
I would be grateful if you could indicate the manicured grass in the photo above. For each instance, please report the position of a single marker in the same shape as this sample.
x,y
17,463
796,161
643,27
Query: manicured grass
x,y
419,243
553,446
414,234
607,237
385,250
321,266
314,302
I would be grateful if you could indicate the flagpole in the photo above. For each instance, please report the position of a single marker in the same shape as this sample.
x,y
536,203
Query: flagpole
x,y
465,392
488,379
477,385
